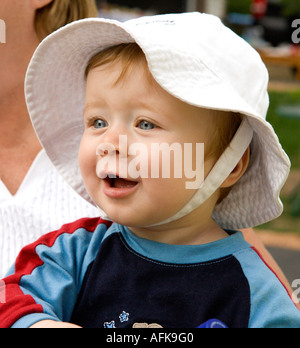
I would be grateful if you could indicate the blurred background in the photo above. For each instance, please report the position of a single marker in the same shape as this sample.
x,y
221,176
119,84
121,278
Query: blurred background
x,y
272,27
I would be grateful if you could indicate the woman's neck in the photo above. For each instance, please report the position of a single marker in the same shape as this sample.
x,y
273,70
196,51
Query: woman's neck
x,y
18,142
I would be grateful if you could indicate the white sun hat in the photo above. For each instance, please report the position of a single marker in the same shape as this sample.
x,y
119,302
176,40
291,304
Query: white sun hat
x,y
195,58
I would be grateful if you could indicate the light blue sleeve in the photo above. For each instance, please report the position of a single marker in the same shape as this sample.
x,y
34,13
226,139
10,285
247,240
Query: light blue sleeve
x,y
271,305
56,283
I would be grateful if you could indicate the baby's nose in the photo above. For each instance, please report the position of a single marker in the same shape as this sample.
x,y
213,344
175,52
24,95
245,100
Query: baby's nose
x,y
119,147
106,149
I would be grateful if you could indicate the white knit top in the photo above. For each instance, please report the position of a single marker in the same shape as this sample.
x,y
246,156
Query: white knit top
x,y
43,203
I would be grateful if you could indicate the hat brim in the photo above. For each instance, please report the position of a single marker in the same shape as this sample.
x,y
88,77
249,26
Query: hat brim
x,y
55,95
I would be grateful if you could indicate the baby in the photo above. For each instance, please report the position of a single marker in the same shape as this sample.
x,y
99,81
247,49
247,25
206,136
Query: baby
x,y
166,251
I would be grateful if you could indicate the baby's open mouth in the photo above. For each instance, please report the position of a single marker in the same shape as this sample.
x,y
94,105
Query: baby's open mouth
x,y
119,183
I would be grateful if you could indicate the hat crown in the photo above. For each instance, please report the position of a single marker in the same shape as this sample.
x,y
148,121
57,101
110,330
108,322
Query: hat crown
x,y
209,45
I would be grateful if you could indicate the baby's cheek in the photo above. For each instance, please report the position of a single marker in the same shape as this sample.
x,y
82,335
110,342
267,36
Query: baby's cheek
x,y
87,161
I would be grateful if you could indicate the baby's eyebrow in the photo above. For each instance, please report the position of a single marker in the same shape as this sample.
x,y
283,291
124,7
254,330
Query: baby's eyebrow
x,y
135,103
86,108
91,106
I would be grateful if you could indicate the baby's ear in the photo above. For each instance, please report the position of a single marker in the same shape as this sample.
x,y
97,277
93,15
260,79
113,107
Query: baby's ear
x,y
238,171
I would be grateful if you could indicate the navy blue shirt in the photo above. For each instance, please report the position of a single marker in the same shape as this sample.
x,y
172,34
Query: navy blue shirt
x,y
172,295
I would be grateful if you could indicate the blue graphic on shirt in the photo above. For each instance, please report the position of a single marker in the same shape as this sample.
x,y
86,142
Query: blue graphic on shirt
x,y
213,324
124,317
111,325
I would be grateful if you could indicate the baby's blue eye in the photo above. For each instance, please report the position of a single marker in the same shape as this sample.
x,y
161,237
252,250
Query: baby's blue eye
x,y
100,124
145,125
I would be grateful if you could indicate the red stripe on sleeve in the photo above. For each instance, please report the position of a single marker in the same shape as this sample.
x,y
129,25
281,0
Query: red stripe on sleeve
x,y
18,305
264,261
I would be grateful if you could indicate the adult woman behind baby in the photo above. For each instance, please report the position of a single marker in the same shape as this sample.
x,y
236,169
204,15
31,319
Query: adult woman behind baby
x,y
33,197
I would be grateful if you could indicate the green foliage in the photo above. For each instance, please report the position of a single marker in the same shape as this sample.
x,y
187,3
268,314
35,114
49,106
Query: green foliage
x,y
291,7
239,6
287,128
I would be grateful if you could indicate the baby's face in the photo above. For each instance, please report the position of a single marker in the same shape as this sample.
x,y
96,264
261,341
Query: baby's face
x,y
126,124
